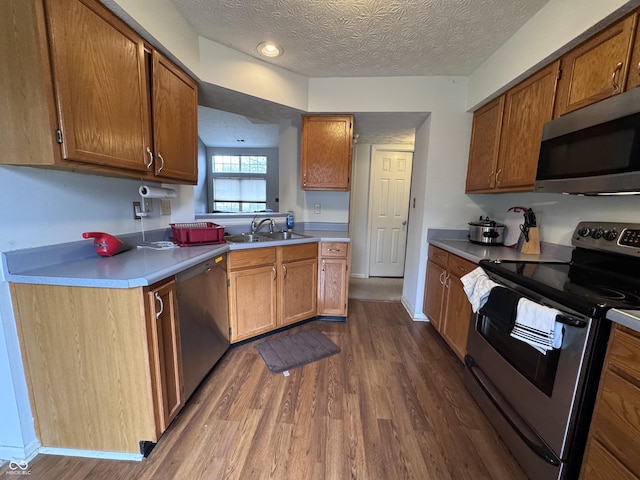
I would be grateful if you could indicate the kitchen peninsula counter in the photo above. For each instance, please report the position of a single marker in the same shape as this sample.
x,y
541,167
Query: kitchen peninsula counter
x,y
77,264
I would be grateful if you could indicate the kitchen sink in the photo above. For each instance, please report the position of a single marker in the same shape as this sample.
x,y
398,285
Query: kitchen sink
x,y
283,235
263,237
245,238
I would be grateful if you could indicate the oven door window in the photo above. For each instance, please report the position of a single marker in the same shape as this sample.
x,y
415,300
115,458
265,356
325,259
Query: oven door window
x,y
539,369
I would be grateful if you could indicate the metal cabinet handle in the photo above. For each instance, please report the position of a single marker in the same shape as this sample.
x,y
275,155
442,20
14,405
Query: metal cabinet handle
x,y
150,158
159,300
162,164
275,273
638,68
498,176
441,279
323,265
334,250
446,281
284,271
490,175
614,77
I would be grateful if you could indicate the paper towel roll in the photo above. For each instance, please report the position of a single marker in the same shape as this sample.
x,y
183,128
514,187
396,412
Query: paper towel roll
x,y
157,192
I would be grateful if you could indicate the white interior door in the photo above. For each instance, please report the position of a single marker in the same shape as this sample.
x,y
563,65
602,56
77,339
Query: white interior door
x,y
389,207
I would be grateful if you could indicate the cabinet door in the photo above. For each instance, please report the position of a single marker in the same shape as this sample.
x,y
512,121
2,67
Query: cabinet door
x,y
597,69
434,293
252,301
455,326
326,145
633,77
100,88
332,289
485,141
528,106
164,352
298,290
614,435
175,121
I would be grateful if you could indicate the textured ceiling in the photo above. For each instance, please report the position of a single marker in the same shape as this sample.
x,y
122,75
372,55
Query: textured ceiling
x,y
347,38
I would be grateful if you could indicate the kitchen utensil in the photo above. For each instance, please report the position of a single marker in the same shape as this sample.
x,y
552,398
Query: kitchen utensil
x,y
486,232
106,245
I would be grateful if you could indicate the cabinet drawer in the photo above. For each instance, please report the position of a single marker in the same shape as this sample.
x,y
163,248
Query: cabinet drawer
x,y
601,465
616,423
624,353
438,255
459,266
298,252
333,249
252,257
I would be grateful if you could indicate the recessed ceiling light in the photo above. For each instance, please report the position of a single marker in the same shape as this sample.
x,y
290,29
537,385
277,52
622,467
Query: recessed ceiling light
x,y
270,49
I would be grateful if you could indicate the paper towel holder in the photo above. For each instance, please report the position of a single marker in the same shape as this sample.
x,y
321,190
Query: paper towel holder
x,y
147,192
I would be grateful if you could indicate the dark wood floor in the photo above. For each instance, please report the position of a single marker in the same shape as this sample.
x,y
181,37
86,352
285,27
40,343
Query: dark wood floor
x,y
390,405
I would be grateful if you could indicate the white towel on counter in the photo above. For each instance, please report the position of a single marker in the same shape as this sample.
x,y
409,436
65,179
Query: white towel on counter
x,y
536,325
477,285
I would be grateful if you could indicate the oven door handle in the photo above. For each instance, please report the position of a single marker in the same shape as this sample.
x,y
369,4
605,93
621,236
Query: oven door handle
x,y
571,321
519,425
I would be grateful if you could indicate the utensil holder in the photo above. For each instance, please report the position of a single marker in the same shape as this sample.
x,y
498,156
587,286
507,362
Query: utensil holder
x,y
532,246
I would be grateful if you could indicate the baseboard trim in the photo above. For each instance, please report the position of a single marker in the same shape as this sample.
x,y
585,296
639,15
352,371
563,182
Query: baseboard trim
x,y
70,452
20,454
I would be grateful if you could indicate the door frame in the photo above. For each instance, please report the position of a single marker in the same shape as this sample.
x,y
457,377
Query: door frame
x,y
374,149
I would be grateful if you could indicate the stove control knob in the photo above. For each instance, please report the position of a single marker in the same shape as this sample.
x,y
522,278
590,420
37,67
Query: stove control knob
x,y
584,231
597,233
610,235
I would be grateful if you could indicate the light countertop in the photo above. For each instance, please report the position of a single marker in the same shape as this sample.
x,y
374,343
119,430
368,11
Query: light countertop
x,y
77,264
475,252
628,318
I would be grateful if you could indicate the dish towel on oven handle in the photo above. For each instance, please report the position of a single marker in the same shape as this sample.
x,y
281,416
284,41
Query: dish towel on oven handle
x,y
477,285
536,325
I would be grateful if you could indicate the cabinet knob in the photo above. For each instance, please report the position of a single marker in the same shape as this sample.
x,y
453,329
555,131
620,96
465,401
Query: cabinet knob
x,y
498,176
161,164
614,77
150,158
159,300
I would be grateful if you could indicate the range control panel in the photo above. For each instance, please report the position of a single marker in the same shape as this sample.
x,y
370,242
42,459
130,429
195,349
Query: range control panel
x,y
614,237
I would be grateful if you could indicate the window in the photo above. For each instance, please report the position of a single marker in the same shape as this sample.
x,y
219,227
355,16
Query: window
x,y
239,183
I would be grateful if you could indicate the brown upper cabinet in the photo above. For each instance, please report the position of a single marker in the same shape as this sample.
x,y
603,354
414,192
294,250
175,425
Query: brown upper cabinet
x,y
326,146
506,133
633,78
596,69
81,88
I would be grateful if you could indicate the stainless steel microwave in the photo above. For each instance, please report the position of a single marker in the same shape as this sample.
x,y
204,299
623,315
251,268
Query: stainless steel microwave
x,y
594,150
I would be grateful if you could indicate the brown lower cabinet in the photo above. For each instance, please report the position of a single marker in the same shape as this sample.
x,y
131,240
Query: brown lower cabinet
x,y
102,364
271,287
333,278
445,303
614,436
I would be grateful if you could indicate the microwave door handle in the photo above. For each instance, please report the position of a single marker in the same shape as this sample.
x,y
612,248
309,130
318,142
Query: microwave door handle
x,y
519,425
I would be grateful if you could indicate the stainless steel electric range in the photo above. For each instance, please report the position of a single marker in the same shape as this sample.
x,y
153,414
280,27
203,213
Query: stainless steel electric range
x,y
541,403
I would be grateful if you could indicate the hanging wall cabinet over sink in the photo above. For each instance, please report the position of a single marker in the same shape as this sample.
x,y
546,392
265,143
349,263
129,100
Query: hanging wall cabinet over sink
x,y
326,148
81,88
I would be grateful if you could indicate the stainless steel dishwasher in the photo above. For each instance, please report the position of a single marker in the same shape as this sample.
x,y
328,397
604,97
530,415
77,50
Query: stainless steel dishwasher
x,y
204,319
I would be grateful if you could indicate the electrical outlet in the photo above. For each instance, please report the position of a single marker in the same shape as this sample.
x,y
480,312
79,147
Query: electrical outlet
x,y
316,208
136,209
148,205
165,206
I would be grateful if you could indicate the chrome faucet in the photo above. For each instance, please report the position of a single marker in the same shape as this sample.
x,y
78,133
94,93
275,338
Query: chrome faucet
x,y
255,228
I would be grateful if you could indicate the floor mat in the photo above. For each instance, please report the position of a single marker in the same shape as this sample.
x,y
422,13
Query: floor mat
x,y
285,353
